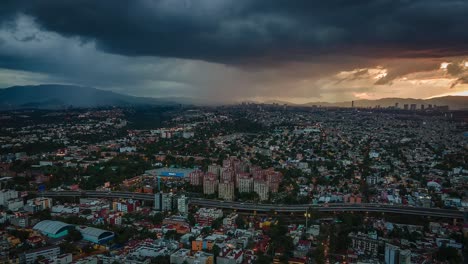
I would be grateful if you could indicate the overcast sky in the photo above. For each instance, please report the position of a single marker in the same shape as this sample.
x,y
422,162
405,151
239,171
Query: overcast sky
x,y
232,50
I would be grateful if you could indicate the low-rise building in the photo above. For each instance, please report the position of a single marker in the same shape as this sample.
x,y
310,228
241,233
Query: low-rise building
x,y
29,257
184,255
364,244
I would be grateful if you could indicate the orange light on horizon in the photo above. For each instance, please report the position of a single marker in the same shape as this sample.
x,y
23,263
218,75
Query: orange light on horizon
x,y
444,65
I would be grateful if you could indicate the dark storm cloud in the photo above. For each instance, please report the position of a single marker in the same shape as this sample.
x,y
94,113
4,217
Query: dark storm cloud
x,y
233,31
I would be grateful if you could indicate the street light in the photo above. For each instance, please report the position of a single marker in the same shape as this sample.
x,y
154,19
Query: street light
x,y
307,215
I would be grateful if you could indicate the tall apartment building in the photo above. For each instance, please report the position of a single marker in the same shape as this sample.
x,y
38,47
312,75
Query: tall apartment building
x,y
254,169
226,190
182,204
245,184
227,174
261,188
239,166
210,183
259,175
241,175
164,201
196,177
215,169
273,179
227,163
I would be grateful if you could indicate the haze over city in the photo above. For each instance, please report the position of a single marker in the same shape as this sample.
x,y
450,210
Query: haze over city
x,y
226,50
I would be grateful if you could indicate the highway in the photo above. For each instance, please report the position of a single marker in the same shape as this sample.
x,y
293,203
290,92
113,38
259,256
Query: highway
x,y
335,207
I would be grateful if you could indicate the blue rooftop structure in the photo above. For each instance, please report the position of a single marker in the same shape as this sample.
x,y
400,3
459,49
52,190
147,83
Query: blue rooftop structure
x,y
53,229
95,235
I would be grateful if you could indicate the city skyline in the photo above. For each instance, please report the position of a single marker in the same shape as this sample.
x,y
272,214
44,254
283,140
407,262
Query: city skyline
x,y
227,51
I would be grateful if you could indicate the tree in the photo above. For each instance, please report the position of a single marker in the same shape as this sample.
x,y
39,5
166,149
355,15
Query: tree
x,y
161,260
448,254
351,220
217,223
205,230
319,255
67,247
88,249
86,212
240,223
43,215
263,259
171,234
191,219
20,234
215,250
157,218
74,235
124,234
279,238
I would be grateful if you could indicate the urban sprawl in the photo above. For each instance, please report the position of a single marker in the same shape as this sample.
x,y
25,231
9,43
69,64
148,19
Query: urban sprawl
x,y
247,183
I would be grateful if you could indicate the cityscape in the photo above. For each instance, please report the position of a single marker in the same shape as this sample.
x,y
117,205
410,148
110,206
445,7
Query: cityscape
x,y
233,132
248,183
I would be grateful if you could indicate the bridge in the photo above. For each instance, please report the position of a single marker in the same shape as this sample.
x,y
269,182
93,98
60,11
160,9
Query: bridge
x,y
256,207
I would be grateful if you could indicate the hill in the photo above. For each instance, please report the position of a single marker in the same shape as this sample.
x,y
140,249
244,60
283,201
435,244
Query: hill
x,y
60,96
56,96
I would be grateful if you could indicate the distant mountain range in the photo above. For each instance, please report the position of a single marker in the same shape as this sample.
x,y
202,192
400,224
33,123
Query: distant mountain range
x,y
52,96
55,96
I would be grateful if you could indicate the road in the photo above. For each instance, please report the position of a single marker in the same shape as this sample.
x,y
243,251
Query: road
x,y
335,207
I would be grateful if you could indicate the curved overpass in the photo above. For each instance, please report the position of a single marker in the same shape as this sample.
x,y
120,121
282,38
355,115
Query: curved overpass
x,y
337,207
